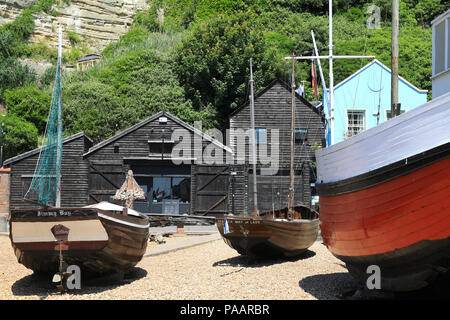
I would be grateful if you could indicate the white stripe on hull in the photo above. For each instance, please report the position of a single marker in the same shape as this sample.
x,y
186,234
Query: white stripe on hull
x,y
421,129
123,222
40,231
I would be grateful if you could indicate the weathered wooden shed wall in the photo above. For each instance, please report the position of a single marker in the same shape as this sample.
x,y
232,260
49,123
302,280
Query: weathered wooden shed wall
x,y
74,173
140,148
273,111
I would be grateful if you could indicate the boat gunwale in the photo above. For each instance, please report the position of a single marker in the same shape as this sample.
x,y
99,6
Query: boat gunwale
x,y
386,173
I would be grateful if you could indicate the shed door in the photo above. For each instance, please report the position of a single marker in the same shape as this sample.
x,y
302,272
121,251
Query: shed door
x,y
211,190
105,178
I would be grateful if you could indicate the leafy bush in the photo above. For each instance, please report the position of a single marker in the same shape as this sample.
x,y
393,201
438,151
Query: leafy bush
x,y
72,55
13,34
73,37
13,74
29,103
19,136
48,77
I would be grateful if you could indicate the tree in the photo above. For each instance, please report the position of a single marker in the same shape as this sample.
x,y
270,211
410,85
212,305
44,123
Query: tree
x,y
19,136
213,61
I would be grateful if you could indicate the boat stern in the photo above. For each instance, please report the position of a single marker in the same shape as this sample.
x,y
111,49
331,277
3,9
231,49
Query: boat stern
x,y
38,234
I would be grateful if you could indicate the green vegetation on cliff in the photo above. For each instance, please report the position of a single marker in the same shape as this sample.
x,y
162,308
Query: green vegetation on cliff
x,y
191,58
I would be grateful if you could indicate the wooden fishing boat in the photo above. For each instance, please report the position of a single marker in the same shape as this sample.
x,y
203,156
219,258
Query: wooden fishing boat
x,y
384,198
49,237
285,232
292,237
271,234
96,240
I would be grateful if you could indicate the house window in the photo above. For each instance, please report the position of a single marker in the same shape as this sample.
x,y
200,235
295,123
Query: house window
x,y
441,46
355,122
261,135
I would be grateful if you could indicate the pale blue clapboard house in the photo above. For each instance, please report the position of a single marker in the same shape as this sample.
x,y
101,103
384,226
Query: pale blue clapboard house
x,y
363,100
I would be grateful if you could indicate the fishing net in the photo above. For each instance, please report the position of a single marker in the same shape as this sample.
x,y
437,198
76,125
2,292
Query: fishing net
x,y
46,179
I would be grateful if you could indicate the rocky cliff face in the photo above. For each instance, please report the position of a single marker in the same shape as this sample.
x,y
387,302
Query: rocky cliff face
x,y
98,22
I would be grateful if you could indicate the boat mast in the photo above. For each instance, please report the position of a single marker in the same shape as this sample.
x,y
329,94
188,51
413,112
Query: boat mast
x,y
395,107
58,152
290,214
330,18
253,133
330,57
316,53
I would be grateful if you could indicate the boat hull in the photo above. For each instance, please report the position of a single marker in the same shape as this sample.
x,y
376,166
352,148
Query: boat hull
x,y
292,237
98,241
401,222
268,237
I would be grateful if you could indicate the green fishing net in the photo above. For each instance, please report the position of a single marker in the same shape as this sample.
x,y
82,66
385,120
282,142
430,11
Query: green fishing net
x,y
46,179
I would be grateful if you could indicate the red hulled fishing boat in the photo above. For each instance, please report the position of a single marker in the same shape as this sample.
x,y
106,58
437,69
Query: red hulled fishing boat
x,y
385,198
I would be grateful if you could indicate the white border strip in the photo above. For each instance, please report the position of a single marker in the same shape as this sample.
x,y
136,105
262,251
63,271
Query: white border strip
x,y
123,222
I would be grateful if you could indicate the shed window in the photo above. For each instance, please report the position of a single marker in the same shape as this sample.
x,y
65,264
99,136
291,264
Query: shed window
x,y
261,135
300,135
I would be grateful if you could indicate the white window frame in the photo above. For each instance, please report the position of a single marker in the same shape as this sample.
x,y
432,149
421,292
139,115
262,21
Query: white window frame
x,y
363,128
257,135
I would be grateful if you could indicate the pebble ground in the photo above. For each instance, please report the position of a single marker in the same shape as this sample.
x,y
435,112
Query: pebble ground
x,y
208,271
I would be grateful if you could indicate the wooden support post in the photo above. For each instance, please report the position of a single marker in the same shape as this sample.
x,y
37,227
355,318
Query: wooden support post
x,y
394,60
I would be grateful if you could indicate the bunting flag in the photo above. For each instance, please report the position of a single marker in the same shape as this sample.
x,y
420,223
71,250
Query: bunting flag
x,y
314,80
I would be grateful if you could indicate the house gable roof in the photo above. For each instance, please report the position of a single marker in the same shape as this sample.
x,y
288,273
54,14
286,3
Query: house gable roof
x,y
37,150
375,61
268,87
440,17
150,119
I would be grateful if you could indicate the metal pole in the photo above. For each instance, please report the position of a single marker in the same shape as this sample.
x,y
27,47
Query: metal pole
x,y
253,133
233,179
327,57
291,170
330,16
1,146
394,59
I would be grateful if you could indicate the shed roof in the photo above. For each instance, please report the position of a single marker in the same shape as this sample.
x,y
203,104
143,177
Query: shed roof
x,y
37,150
89,57
261,92
150,119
